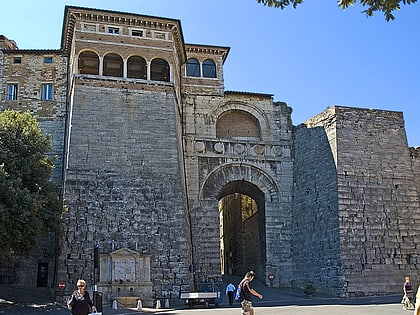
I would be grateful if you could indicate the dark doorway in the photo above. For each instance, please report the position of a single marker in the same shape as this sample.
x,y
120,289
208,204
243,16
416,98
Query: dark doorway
x,y
242,228
42,277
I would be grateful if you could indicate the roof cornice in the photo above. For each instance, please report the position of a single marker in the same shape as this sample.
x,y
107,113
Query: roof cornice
x,y
72,13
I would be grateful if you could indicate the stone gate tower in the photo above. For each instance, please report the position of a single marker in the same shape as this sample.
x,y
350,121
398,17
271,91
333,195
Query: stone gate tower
x,y
124,183
166,166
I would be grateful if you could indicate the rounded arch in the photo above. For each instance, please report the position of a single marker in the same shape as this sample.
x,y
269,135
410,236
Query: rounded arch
x,y
209,69
136,67
113,65
88,62
237,172
237,124
159,70
193,68
249,108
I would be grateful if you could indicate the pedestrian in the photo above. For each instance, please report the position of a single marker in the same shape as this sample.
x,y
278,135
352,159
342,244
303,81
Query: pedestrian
x,y
407,300
247,293
230,292
80,302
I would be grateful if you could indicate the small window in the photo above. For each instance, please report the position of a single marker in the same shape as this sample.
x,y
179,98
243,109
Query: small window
x,y
89,27
159,35
137,33
113,30
48,60
12,91
17,60
209,69
193,68
46,94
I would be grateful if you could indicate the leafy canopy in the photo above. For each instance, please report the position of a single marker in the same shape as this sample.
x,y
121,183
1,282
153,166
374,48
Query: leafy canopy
x,y
385,6
29,203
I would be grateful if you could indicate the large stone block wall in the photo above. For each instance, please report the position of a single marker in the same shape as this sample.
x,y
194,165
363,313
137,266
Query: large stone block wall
x,y
378,201
315,241
123,186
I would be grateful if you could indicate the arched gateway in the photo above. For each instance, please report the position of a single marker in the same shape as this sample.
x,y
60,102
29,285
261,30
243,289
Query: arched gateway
x,y
244,198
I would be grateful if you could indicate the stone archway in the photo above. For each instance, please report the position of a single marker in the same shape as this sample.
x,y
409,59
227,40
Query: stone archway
x,y
238,180
242,228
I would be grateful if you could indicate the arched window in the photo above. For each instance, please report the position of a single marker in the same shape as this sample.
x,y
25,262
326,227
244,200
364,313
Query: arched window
x,y
237,124
136,68
113,65
209,69
159,70
193,68
88,63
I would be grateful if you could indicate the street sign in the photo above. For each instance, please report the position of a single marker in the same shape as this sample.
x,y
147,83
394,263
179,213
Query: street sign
x,y
61,285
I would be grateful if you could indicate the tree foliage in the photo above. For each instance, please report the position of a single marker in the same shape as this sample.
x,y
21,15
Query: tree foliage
x,y
29,203
372,6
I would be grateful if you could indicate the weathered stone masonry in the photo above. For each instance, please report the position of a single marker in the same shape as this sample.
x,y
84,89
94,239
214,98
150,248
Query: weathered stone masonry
x,y
177,181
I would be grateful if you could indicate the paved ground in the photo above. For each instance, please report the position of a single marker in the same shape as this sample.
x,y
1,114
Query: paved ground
x,y
20,301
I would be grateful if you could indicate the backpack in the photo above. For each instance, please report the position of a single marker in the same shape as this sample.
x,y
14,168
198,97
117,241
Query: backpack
x,y
239,295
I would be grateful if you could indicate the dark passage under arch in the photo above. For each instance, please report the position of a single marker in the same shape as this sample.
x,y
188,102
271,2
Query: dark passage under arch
x,y
242,228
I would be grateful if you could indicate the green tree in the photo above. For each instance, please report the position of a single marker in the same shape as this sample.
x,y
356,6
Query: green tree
x,y
372,6
29,203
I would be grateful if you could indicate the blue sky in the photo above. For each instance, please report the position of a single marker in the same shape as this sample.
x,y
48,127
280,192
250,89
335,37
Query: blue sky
x,y
311,57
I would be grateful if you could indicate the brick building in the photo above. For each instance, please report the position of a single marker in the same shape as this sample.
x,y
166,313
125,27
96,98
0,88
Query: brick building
x,y
170,180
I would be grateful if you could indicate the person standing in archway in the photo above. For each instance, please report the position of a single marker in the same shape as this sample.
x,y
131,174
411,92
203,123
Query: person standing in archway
x,y
248,292
230,292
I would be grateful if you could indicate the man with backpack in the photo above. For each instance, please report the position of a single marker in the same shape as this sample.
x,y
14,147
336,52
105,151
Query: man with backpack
x,y
246,293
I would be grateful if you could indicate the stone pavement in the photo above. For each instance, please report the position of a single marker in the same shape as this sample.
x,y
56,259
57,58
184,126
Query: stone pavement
x,y
22,301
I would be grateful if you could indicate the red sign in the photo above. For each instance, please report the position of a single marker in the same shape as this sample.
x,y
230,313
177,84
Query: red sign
x,y
61,285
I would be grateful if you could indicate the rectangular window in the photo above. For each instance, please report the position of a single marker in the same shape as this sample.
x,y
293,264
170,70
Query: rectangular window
x,y
113,30
137,33
17,59
48,60
89,27
159,35
12,92
46,92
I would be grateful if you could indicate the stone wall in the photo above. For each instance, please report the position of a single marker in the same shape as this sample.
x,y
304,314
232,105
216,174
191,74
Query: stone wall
x,y
259,167
373,202
378,203
123,186
316,247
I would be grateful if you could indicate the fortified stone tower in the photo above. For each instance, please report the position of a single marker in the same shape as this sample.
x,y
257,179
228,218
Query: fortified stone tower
x,y
166,167
124,183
